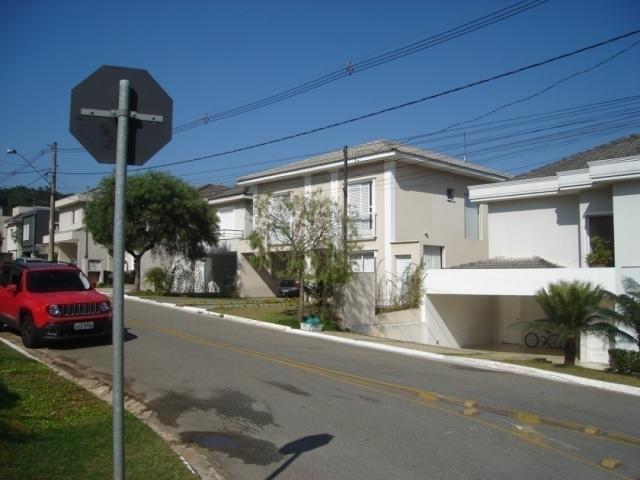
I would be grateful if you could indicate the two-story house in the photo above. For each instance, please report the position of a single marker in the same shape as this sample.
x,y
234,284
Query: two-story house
x,y
540,229
408,205
74,244
24,231
225,269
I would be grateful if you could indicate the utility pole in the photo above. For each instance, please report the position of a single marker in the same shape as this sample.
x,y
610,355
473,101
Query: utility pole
x,y
465,145
345,190
52,200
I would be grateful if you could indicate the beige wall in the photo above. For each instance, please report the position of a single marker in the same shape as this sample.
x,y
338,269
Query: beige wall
x,y
425,214
358,301
252,283
419,204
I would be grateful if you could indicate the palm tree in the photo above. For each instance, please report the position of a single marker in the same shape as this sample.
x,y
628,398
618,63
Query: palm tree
x,y
573,308
627,311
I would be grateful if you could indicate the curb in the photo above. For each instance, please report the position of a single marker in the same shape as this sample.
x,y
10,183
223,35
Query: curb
x,y
463,361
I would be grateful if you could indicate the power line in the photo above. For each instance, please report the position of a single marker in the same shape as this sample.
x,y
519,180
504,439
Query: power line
x,y
581,113
542,91
423,99
366,64
406,104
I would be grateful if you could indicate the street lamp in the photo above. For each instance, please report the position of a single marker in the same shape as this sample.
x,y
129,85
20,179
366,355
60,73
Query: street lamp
x,y
52,185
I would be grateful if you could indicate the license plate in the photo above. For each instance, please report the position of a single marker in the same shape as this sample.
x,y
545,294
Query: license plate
x,y
83,326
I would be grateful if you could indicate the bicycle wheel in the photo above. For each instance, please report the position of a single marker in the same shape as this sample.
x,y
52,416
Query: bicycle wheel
x,y
553,340
531,340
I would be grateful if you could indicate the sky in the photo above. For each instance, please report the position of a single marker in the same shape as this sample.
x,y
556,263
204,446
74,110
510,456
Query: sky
x,y
212,56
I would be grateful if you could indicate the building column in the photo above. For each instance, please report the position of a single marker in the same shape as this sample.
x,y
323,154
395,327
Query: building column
x,y
389,189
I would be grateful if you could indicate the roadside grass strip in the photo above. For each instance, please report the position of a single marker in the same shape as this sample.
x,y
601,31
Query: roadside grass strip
x,y
52,429
496,418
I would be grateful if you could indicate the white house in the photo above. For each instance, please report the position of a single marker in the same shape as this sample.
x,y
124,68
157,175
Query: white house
x,y
540,226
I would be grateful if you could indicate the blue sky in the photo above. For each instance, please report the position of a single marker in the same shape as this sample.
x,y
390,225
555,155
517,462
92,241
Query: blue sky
x,y
211,56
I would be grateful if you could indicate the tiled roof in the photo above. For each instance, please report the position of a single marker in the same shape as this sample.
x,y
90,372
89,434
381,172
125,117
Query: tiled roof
x,y
622,147
365,150
506,262
213,191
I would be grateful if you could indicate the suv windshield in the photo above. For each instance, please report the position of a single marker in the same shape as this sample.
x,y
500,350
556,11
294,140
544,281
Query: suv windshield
x,y
57,281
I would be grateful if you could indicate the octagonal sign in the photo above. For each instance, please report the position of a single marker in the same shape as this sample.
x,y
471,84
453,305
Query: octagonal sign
x,y
98,133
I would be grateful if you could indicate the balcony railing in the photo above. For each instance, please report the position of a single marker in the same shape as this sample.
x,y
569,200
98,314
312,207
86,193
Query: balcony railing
x,y
229,234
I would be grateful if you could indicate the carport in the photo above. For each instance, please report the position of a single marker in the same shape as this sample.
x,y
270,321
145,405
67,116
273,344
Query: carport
x,y
472,307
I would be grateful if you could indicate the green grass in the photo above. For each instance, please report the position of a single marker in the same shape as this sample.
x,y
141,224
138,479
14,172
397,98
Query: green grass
x,y
579,371
286,314
212,302
52,429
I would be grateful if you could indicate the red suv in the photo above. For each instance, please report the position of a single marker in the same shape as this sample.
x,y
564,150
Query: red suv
x,y
51,301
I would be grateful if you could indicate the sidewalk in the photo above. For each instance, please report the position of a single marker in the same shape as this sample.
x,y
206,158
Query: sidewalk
x,y
488,352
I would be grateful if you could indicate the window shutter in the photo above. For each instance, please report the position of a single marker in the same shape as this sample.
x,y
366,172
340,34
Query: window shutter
x,y
360,207
471,219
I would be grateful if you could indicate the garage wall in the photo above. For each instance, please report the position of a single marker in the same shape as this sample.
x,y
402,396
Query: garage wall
x,y
253,283
462,320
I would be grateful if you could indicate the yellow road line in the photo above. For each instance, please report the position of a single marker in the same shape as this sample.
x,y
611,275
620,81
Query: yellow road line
x,y
416,395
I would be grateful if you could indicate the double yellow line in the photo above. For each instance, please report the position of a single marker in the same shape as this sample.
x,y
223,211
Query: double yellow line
x,y
448,404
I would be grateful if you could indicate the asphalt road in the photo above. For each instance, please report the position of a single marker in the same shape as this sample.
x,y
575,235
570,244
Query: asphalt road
x,y
263,404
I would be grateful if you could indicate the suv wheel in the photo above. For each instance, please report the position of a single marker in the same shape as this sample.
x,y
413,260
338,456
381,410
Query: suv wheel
x,y
28,332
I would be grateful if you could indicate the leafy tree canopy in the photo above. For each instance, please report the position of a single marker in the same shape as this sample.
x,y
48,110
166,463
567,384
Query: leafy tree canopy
x,y
572,308
305,233
627,308
161,211
24,196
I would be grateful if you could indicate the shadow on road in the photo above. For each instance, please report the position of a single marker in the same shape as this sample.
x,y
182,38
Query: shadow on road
x,y
298,447
74,343
77,343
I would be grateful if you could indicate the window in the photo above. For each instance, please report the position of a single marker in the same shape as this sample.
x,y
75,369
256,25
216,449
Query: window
x,y
25,231
451,194
432,257
363,262
95,265
57,281
403,270
471,219
361,207
601,226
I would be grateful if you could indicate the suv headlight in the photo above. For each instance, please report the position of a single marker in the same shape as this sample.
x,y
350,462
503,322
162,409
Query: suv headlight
x,y
104,307
54,310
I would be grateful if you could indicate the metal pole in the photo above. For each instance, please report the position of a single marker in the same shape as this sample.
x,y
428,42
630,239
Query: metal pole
x,y
345,189
118,281
52,201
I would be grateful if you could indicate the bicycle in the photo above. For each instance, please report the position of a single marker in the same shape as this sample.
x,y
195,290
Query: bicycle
x,y
548,338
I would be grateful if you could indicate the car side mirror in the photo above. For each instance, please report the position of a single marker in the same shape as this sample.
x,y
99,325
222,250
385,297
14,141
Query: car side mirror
x,y
93,284
12,289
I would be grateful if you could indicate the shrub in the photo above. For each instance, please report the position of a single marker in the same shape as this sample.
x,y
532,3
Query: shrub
x,y
601,254
159,278
624,361
289,322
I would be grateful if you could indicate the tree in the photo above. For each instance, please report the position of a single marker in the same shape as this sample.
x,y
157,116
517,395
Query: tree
x,y
161,211
573,308
305,231
627,310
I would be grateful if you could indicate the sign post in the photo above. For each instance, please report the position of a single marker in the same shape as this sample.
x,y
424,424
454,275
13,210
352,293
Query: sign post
x,y
93,125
